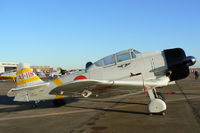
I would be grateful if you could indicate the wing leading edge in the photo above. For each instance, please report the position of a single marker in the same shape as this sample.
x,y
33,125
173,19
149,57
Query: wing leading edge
x,y
80,85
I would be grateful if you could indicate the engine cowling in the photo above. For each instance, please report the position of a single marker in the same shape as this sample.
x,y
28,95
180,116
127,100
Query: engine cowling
x,y
178,63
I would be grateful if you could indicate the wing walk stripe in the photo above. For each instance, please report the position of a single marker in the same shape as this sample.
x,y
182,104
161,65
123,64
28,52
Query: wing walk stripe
x,y
27,80
57,82
23,71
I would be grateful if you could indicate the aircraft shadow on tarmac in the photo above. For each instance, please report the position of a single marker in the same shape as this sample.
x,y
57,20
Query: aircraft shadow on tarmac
x,y
22,106
118,102
110,101
4,100
111,110
179,93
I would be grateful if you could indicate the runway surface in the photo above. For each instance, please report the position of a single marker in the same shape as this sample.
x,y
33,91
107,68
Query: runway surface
x,y
126,113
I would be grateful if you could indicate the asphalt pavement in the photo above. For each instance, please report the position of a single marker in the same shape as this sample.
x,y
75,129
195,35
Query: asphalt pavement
x,y
126,113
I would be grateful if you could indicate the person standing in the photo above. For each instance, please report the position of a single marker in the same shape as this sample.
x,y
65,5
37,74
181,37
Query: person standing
x,y
196,73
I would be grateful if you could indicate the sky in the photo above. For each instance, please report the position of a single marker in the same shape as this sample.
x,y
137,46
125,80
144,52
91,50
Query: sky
x,y
69,33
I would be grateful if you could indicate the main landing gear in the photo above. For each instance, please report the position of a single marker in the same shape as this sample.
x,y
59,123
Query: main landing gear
x,y
86,93
59,102
156,104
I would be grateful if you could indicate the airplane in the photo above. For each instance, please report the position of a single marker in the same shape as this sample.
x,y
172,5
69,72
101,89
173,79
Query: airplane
x,y
128,68
9,75
57,73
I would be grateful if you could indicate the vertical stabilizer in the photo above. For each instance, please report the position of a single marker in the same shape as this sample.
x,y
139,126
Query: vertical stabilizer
x,y
25,76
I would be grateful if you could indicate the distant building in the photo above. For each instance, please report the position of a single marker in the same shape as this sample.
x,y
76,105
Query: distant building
x,y
7,66
44,69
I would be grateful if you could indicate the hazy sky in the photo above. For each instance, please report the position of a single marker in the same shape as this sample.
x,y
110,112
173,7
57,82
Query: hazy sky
x,y
68,33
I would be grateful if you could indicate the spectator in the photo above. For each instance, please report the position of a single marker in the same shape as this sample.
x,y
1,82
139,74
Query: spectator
x,y
196,75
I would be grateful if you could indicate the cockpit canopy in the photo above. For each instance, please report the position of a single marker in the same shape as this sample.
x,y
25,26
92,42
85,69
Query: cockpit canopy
x,y
115,58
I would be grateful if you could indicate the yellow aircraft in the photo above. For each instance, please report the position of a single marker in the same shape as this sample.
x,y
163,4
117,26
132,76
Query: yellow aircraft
x,y
9,75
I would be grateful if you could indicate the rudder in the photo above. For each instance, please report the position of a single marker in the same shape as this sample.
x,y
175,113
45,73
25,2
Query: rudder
x,y
25,76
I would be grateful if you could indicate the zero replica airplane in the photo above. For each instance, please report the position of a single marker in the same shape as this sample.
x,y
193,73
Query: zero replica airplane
x,y
128,68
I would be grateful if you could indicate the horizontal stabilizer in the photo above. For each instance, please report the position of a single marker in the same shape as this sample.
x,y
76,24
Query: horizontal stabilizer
x,y
15,91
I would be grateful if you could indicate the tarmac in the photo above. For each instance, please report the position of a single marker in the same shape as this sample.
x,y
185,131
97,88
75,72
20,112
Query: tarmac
x,y
126,113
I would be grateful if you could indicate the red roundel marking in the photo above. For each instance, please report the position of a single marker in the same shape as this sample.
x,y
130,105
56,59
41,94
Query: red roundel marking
x,y
80,77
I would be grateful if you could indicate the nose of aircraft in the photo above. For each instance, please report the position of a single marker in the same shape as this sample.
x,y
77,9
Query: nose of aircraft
x,y
178,63
190,60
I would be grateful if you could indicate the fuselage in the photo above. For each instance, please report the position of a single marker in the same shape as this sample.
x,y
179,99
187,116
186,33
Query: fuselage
x,y
124,65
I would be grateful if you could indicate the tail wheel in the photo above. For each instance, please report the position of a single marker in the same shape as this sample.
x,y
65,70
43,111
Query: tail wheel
x,y
59,102
160,96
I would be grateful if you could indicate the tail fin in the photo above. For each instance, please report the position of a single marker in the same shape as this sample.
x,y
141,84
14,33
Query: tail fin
x,y
25,76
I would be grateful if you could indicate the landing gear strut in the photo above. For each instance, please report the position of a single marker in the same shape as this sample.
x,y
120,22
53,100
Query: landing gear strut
x,y
160,96
156,104
35,104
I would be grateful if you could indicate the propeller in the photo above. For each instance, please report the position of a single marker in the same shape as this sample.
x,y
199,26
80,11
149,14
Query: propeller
x,y
190,60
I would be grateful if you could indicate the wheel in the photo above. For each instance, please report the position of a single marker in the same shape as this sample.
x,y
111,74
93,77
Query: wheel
x,y
59,102
86,93
156,106
163,113
160,96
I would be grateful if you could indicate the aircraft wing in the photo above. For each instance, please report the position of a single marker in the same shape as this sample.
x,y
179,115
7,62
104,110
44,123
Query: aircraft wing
x,y
93,85
80,85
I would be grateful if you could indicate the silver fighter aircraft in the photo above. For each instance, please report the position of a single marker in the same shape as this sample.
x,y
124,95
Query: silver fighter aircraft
x,y
128,68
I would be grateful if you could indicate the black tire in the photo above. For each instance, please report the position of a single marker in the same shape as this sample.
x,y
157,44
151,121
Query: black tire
x,y
160,96
59,102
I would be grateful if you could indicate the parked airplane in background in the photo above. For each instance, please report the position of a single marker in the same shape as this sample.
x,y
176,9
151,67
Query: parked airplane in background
x,y
128,68
8,74
57,73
